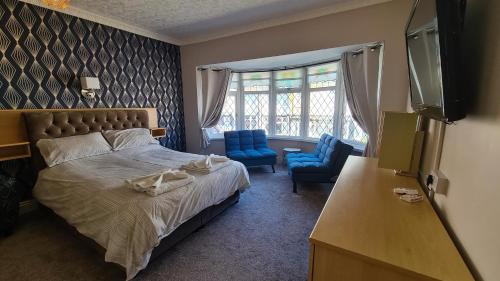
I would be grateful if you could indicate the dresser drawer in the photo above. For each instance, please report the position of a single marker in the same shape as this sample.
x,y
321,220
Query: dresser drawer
x,y
331,265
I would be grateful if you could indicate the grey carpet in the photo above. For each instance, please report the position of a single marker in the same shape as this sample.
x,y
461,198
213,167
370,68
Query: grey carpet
x,y
263,237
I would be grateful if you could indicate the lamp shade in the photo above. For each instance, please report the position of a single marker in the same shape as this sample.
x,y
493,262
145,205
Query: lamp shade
x,y
90,83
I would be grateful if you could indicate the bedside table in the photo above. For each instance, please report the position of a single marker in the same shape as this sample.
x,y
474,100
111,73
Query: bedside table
x,y
9,188
158,132
16,150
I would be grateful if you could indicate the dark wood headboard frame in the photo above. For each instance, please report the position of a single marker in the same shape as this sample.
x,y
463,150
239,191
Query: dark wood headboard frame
x,y
57,124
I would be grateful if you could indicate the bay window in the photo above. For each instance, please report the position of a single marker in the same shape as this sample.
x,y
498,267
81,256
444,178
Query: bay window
x,y
299,103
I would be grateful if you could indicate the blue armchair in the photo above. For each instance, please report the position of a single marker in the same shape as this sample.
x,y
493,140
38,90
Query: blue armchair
x,y
323,165
249,147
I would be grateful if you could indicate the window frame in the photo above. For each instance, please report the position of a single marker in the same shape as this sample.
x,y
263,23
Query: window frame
x,y
305,91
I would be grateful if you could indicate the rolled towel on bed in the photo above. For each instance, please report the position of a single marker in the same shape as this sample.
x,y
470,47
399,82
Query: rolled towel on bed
x,y
218,158
207,165
160,183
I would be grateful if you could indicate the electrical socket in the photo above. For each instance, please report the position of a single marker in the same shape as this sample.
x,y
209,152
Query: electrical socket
x,y
439,182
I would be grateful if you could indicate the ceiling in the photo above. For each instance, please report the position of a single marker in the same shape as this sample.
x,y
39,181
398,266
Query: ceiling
x,y
189,21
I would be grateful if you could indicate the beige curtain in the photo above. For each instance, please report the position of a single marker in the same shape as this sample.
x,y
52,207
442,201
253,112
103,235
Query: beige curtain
x,y
212,87
361,73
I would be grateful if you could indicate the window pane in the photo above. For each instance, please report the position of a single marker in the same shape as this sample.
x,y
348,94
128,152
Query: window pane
x,y
322,69
227,121
350,129
256,81
288,110
322,75
289,79
256,75
233,86
257,111
321,112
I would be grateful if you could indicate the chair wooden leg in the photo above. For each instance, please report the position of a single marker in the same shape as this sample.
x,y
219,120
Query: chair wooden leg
x,y
294,187
272,166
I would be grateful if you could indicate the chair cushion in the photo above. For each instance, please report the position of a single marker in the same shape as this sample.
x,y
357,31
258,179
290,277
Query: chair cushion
x,y
236,155
308,167
259,139
320,143
232,140
297,155
304,159
251,154
246,140
267,152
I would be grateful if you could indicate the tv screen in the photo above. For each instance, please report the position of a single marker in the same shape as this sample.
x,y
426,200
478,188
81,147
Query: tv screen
x,y
433,49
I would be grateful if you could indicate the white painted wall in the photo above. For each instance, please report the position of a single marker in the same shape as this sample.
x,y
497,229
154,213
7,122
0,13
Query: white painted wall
x,y
471,148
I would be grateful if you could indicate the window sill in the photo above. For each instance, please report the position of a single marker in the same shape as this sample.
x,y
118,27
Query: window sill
x,y
357,148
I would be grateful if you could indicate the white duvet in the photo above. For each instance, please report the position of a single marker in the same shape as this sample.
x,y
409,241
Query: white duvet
x,y
91,195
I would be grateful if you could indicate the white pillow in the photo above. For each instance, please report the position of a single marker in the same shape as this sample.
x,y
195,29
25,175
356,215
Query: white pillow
x,y
121,139
60,150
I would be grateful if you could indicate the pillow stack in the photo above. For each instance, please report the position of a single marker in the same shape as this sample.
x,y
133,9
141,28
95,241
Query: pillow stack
x,y
60,150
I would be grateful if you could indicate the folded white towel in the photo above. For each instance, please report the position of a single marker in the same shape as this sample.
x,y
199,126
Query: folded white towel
x,y
218,158
207,165
160,183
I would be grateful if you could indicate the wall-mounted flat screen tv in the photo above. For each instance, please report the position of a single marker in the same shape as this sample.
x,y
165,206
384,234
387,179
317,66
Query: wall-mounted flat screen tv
x,y
433,48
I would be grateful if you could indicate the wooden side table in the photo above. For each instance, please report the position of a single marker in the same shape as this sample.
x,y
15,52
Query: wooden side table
x,y
11,195
158,132
287,150
17,150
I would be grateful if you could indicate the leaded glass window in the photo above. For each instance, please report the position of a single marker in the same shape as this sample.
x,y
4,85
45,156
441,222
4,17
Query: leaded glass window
x,y
256,81
288,79
350,129
288,114
256,112
321,112
322,76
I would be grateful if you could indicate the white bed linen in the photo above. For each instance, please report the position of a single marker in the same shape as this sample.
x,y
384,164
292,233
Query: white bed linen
x,y
91,195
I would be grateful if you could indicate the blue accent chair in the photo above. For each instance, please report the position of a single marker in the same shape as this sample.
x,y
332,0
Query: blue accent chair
x,y
249,147
321,166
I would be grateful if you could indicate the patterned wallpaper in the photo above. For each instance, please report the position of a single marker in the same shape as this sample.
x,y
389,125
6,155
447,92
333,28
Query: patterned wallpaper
x,y
43,53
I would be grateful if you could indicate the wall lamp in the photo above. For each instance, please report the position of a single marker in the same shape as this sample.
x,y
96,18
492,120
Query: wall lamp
x,y
89,85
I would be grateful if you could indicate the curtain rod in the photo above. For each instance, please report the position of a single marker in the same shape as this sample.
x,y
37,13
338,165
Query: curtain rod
x,y
355,52
274,68
286,67
371,47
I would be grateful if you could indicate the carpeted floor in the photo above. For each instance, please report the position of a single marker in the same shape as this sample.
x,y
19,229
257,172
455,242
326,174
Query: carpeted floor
x,y
263,237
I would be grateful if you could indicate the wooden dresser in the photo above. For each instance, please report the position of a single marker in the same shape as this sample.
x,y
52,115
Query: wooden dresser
x,y
365,232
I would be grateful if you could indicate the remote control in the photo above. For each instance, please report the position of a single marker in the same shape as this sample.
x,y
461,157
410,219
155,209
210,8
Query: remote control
x,y
411,198
403,190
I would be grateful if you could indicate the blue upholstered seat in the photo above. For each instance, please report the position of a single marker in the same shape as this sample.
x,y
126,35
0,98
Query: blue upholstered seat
x,y
249,147
323,165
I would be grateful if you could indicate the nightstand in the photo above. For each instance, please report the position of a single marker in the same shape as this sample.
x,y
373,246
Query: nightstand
x,y
158,132
16,150
11,193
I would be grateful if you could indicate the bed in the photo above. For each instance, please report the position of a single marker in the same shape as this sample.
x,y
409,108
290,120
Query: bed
x,y
91,196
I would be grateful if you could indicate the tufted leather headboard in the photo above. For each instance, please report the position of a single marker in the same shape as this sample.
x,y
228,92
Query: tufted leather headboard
x,y
57,124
